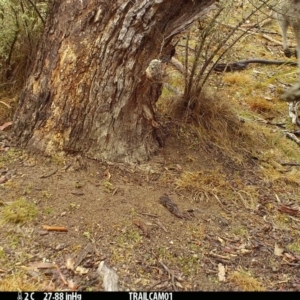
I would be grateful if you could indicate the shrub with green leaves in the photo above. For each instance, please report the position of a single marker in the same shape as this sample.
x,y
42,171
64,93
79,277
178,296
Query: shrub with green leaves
x,y
21,24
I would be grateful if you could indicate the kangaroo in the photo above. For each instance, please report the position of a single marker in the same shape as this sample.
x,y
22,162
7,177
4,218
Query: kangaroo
x,y
288,14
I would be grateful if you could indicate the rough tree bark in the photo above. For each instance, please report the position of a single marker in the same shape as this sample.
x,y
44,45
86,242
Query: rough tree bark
x,y
91,89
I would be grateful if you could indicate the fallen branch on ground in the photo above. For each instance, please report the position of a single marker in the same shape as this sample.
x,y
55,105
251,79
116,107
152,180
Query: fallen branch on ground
x,y
241,65
50,174
54,228
292,137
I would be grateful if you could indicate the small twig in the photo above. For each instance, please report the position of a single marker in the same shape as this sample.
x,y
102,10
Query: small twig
x,y
243,200
156,284
270,39
260,25
50,174
293,218
37,11
172,89
277,198
67,167
77,193
229,239
149,215
219,256
220,202
61,275
185,46
7,105
280,282
290,164
161,225
170,273
256,33
179,66
291,264
292,137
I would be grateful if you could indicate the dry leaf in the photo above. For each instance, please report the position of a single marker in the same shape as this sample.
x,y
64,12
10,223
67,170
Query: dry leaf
x,y
140,224
4,125
49,286
70,263
297,257
221,273
290,257
245,251
220,240
288,210
3,179
241,246
72,285
81,270
138,281
228,250
277,250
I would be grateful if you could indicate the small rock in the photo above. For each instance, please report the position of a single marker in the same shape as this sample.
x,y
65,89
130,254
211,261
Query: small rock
x,y
60,247
43,232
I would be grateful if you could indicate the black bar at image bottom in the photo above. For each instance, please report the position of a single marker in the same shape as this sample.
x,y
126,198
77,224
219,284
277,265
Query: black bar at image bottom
x,y
86,295
120,295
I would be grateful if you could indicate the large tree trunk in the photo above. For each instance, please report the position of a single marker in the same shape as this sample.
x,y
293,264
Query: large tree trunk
x,y
90,90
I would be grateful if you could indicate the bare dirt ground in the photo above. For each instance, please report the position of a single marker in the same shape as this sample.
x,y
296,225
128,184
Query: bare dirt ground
x,y
112,212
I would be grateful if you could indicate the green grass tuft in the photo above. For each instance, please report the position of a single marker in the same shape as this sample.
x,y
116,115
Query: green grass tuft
x,y
20,211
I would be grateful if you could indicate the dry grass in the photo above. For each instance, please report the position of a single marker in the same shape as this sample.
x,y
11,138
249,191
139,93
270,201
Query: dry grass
x,y
237,78
282,178
270,159
246,282
215,121
203,182
260,105
19,282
